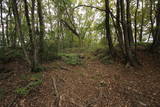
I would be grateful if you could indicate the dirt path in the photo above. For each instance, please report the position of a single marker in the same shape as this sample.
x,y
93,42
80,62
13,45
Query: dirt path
x,y
98,85
94,84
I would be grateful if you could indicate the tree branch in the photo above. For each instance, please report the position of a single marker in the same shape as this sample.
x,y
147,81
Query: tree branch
x,y
70,28
103,10
93,7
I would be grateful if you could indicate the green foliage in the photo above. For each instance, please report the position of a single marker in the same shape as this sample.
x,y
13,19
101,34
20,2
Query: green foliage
x,y
26,90
103,42
106,60
71,59
144,44
22,91
51,50
10,54
103,55
36,80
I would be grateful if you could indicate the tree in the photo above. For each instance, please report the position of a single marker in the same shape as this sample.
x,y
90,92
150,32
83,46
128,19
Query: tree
x,y
31,34
42,28
156,38
142,22
108,34
19,30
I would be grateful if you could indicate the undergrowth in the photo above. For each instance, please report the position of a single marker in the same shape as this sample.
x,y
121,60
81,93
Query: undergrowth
x,y
103,55
35,81
26,90
71,59
8,54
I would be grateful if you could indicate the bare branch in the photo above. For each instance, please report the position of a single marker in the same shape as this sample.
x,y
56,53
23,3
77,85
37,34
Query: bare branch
x,y
74,31
90,7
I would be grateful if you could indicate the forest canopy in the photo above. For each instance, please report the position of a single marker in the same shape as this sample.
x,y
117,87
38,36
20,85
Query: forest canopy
x,y
44,28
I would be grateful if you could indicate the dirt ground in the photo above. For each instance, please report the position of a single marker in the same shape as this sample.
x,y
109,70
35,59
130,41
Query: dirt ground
x,y
92,84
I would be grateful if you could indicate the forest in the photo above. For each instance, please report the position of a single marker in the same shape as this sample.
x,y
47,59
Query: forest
x,y
79,53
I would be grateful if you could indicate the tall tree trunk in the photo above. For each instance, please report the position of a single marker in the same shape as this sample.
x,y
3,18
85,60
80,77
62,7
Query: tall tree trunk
x,y
108,34
129,25
42,28
2,24
129,55
35,56
135,25
28,23
19,30
156,39
31,34
142,22
50,19
120,33
7,31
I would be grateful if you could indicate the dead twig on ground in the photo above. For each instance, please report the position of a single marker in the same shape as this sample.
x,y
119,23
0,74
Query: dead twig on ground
x,y
57,102
62,68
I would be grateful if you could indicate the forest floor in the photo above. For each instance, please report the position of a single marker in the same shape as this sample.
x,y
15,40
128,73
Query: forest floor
x,y
91,84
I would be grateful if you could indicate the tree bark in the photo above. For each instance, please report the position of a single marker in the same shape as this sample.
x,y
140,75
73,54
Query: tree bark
x,y
156,39
107,22
19,30
31,34
129,55
129,25
135,25
42,28
120,33
2,24
142,22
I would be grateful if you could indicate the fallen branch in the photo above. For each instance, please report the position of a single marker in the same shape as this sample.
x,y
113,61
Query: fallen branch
x,y
63,68
57,102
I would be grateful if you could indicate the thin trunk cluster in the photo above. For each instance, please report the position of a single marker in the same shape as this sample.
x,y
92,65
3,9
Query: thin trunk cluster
x,y
31,55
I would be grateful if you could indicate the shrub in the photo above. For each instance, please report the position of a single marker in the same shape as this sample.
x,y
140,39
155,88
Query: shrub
x,y
22,91
72,59
103,55
50,51
10,54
